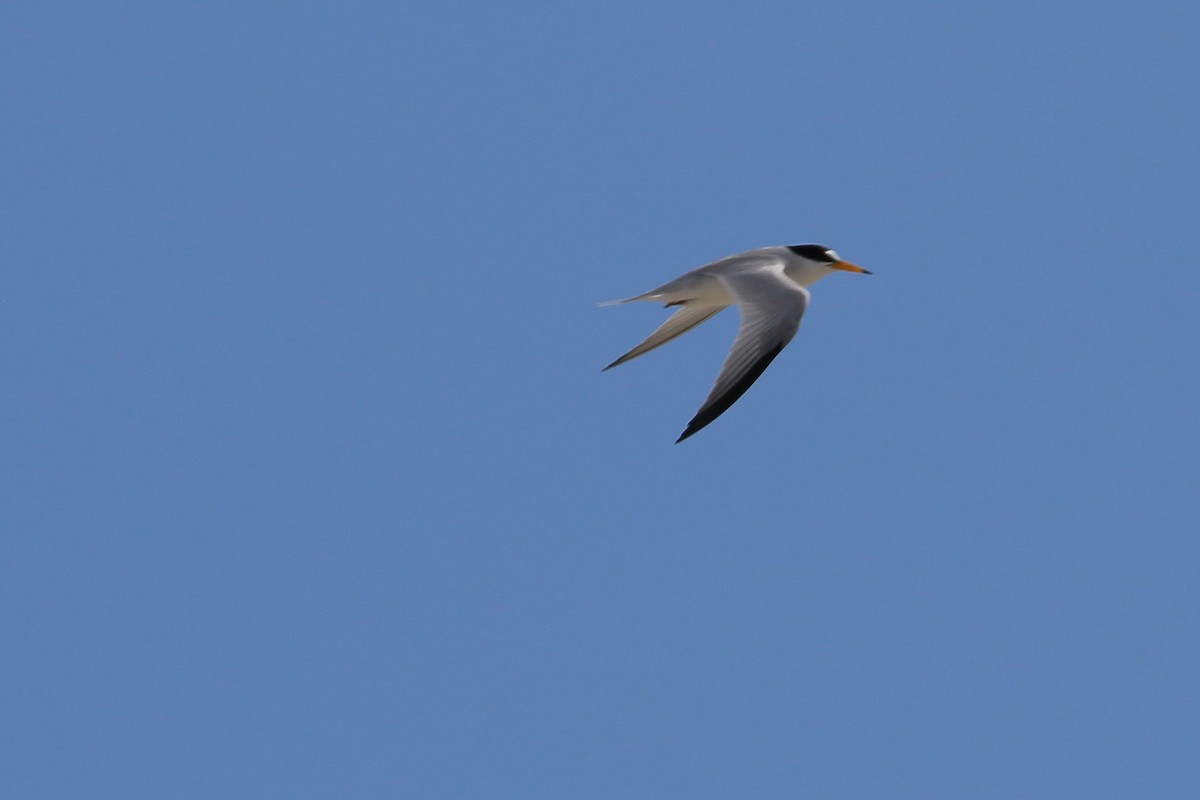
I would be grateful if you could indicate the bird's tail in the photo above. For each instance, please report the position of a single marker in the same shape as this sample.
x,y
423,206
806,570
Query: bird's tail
x,y
607,303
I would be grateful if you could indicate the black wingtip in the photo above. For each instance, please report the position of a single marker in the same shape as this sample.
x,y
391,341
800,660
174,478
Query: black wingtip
x,y
720,405
696,425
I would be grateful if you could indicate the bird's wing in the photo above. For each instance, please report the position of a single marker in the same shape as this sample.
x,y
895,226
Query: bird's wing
x,y
771,306
677,324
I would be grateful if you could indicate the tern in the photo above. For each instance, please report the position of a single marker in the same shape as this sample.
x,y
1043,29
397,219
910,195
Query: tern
x,y
770,285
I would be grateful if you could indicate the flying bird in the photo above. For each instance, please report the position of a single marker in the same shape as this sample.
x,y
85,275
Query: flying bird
x,y
770,286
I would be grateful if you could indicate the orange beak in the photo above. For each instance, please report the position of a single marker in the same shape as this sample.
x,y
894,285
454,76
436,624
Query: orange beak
x,y
846,265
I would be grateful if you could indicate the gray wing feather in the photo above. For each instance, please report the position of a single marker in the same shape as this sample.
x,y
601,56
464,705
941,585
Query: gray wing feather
x,y
771,305
677,324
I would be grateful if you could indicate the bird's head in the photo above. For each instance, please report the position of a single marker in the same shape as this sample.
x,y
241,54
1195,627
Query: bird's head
x,y
816,261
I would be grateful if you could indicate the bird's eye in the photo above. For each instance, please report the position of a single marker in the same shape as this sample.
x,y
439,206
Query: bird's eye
x,y
832,255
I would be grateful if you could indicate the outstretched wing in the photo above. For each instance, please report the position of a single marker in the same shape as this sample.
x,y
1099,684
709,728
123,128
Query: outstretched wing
x,y
771,305
679,323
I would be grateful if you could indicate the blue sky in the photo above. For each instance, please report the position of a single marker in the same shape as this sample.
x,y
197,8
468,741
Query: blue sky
x,y
314,488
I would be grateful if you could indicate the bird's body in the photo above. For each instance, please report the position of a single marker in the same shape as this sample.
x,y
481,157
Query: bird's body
x,y
769,285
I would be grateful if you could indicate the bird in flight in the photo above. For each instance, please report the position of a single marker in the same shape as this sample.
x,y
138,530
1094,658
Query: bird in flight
x,y
770,286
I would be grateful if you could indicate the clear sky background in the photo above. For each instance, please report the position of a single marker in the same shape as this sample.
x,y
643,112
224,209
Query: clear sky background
x,y
313,486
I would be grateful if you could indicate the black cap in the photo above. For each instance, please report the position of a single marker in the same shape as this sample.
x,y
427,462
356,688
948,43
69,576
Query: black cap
x,y
813,252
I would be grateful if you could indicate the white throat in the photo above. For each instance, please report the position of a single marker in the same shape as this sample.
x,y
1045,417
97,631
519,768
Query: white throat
x,y
805,272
